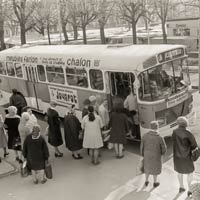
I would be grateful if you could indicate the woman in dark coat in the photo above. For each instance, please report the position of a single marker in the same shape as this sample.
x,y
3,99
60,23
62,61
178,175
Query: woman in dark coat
x,y
54,132
152,148
183,144
119,128
11,125
36,153
72,128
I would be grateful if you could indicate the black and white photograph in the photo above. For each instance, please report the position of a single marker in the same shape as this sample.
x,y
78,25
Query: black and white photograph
x,y
100,99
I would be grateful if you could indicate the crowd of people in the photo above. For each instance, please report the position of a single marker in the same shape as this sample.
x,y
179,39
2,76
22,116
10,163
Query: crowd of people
x,y
25,138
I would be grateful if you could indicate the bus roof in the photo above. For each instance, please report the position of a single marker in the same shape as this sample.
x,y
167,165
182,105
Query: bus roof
x,y
111,57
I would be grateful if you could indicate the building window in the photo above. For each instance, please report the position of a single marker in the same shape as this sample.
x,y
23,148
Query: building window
x,y
96,79
181,32
18,69
77,77
55,74
41,73
2,68
10,69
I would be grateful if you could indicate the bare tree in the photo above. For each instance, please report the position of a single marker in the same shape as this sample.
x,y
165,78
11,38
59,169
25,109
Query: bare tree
x,y
64,17
2,19
45,16
86,14
161,8
131,11
23,10
104,10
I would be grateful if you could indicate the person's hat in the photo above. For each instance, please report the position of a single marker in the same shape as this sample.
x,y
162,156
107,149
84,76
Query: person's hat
x,y
154,125
182,121
86,102
92,98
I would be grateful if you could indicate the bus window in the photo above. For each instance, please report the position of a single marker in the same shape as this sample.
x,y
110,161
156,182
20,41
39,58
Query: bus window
x,y
77,77
55,74
158,82
144,90
2,68
96,79
10,69
18,69
181,78
41,73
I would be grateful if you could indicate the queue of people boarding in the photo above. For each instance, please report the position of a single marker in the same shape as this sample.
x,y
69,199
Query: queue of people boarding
x,y
22,134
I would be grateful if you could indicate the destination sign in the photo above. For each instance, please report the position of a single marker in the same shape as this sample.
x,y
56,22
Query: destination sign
x,y
169,55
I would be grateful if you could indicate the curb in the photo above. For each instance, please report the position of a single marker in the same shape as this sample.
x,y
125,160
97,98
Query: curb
x,y
14,171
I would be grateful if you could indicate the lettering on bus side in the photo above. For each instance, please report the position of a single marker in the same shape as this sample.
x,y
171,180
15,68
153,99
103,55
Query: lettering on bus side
x,y
63,96
79,62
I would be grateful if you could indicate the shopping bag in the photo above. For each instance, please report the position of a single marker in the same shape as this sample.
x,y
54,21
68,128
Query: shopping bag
x,y
140,167
110,145
48,171
25,170
195,154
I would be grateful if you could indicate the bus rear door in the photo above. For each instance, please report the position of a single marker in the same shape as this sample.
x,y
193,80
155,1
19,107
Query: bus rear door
x,y
32,84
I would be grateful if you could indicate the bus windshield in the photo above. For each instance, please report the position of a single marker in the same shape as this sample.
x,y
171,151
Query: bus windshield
x,y
163,80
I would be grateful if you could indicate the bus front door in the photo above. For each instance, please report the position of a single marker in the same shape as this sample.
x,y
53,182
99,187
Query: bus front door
x,y
32,82
119,84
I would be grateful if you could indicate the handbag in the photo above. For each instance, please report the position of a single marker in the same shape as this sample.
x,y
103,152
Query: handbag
x,y
25,170
48,170
17,144
195,154
140,167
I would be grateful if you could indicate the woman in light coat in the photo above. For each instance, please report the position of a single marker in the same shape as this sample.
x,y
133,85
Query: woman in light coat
x,y
152,148
92,125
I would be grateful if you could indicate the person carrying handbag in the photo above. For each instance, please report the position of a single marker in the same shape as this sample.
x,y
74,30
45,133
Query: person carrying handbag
x,y
36,152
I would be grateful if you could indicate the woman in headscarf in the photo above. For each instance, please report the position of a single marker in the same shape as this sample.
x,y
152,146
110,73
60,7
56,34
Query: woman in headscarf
x,y
183,144
36,153
11,124
32,119
24,130
152,148
72,128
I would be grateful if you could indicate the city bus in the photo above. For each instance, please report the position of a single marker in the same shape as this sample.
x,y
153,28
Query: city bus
x,y
69,74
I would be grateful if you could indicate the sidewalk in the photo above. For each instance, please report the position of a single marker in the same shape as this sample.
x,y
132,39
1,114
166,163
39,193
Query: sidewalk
x,y
168,190
6,168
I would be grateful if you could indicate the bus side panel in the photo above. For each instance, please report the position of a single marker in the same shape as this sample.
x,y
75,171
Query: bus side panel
x,y
7,84
146,115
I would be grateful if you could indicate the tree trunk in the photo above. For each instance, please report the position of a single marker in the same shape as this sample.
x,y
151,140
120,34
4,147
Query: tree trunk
x,y
134,33
84,35
42,30
75,30
102,34
65,33
164,33
2,43
48,33
23,33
